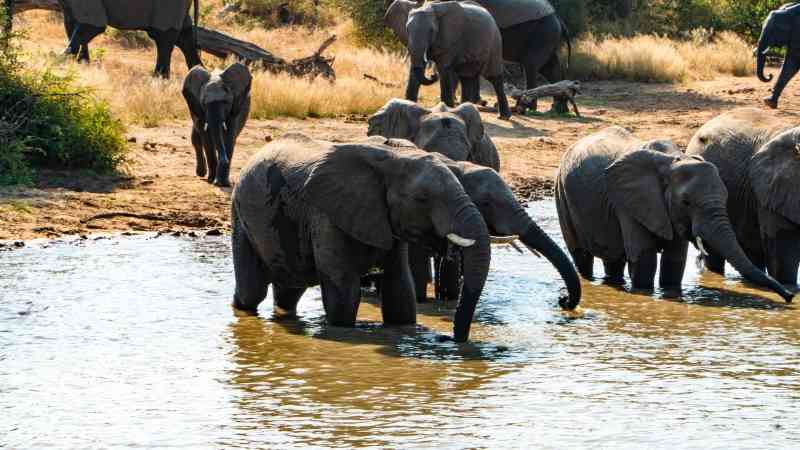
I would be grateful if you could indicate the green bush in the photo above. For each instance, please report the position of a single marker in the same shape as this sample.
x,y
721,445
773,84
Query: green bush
x,y
367,16
45,121
272,13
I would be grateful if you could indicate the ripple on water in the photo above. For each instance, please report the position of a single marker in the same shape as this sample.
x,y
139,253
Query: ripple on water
x,y
130,342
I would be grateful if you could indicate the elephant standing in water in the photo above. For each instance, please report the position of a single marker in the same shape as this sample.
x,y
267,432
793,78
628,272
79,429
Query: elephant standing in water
x,y
624,201
757,157
166,22
464,41
309,212
781,29
220,105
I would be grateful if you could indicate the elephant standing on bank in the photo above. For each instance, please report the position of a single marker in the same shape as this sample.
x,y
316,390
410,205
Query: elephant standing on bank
x,y
757,157
464,41
220,105
625,201
166,22
309,212
781,29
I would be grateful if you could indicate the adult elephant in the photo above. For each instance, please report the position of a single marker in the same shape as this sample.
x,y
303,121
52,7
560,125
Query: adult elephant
x,y
531,32
757,157
220,105
308,212
624,201
781,29
166,22
457,133
464,41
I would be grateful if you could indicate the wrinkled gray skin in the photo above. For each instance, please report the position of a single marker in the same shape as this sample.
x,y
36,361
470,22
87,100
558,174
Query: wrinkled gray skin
x,y
309,212
757,157
464,42
625,201
457,133
219,105
166,22
781,29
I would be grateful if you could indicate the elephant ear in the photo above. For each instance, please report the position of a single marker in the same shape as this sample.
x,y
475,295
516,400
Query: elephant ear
x,y
452,21
472,118
396,17
192,88
238,79
347,185
774,173
635,186
397,119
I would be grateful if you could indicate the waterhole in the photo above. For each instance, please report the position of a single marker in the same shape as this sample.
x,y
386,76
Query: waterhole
x,y
130,342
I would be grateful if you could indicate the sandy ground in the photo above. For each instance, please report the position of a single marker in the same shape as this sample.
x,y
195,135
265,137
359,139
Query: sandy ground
x,y
160,180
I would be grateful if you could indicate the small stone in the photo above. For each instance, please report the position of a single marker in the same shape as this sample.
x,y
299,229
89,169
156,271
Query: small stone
x,y
19,244
268,138
132,139
214,232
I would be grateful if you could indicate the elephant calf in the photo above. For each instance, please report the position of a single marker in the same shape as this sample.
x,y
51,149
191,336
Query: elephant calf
x,y
624,201
308,212
220,105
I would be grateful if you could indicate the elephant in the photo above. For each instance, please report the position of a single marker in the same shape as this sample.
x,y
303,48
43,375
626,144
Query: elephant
x,y
308,212
756,154
531,33
624,201
219,105
464,41
457,133
781,28
166,22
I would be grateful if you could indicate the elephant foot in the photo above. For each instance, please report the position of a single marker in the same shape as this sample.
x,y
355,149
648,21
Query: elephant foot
x,y
771,102
280,313
239,311
222,182
506,116
200,170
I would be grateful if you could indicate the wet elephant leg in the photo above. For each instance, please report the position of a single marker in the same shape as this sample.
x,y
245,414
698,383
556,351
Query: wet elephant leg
x,y
615,271
790,67
286,299
783,256
643,270
419,261
79,40
199,150
341,299
673,264
252,278
584,262
398,300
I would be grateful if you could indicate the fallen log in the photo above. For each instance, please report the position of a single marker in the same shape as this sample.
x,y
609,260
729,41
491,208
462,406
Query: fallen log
x,y
563,90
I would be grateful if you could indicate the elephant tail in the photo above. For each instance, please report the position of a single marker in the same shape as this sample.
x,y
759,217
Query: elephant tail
x,y
568,39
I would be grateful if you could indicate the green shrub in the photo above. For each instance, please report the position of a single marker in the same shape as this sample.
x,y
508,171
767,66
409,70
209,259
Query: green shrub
x,y
367,16
272,13
47,122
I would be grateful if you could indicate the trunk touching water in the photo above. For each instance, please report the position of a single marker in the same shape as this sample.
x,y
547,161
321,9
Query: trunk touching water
x,y
719,234
476,259
535,238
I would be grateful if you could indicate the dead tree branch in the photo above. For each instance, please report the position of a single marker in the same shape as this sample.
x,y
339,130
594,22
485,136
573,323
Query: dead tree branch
x,y
111,215
565,90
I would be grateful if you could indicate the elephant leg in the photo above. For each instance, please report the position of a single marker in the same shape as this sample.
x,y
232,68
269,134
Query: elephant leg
x,y
584,262
341,299
673,264
643,270
186,44
448,277
286,299
420,263
165,42
783,256
714,262
447,82
470,90
615,271
82,34
398,300
199,150
789,69
252,278
534,61
211,157
502,101
553,73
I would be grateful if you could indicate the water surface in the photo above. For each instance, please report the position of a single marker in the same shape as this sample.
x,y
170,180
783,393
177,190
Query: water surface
x,y
130,342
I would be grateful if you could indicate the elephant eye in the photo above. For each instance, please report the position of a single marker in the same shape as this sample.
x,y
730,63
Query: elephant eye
x,y
686,202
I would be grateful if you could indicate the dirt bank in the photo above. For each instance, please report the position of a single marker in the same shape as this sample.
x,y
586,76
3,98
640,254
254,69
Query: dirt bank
x,y
161,192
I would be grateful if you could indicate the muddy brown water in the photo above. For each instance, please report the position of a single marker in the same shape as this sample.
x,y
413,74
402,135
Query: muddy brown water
x,y
130,342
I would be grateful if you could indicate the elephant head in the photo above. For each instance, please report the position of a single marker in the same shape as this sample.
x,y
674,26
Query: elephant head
x,y
219,105
457,133
431,28
504,216
377,194
776,31
680,197
396,17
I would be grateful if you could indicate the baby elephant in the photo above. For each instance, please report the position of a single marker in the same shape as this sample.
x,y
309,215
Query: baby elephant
x,y
624,201
219,104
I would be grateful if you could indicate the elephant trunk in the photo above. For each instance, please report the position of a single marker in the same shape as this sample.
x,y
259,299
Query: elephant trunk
x,y
718,232
536,239
761,59
217,130
477,255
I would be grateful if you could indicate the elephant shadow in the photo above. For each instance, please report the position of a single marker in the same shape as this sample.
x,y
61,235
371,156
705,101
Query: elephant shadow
x,y
86,182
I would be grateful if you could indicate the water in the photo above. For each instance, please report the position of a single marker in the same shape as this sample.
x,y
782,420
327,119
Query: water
x,y
130,342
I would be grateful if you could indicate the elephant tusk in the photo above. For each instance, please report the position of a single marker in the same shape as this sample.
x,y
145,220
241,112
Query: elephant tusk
x,y
507,240
205,127
700,246
515,246
460,241
533,250
225,126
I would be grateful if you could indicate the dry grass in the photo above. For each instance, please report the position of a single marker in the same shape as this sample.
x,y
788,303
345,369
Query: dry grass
x,y
651,58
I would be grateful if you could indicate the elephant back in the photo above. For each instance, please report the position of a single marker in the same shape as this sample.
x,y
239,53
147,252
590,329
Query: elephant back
x,y
508,13
159,15
90,12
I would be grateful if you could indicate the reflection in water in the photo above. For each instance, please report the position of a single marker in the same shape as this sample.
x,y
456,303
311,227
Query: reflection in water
x,y
131,343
